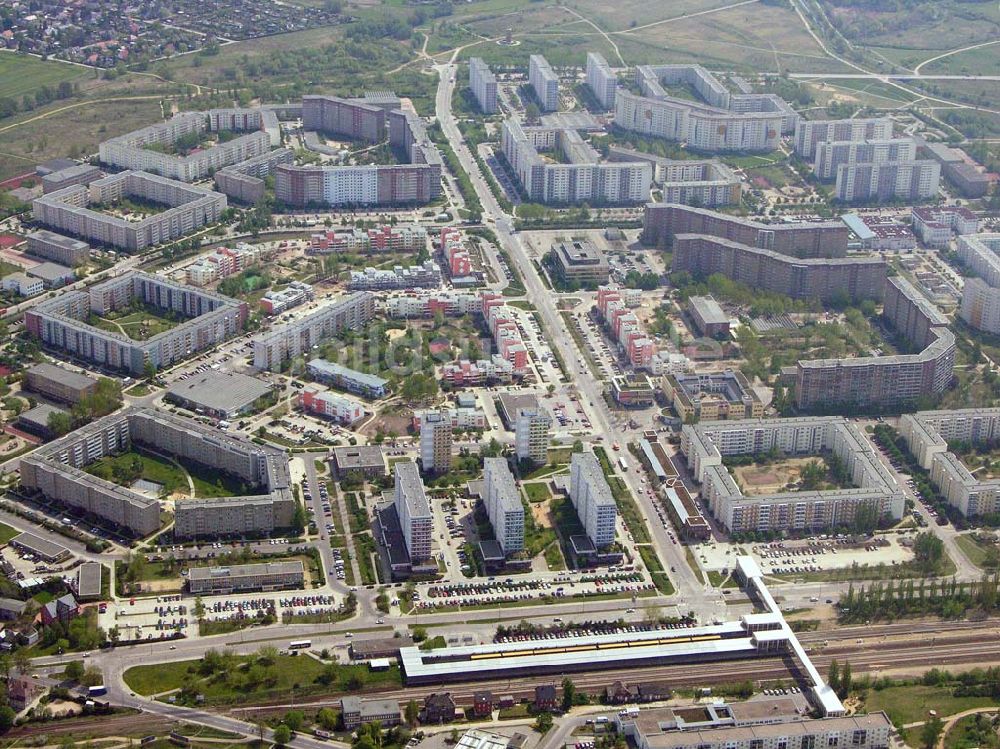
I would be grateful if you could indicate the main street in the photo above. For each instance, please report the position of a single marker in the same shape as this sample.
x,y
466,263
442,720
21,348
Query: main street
x,y
704,600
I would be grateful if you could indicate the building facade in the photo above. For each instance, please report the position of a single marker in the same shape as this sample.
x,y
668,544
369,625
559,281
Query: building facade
x,y
435,443
503,505
483,84
601,80
413,510
544,82
531,435
591,496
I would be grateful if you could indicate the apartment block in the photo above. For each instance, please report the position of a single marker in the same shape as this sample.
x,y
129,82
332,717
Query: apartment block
x,y
928,434
810,133
708,183
386,238
75,210
435,443
706,444
911,314
582,178
624,326
712,396
335,406
352,118
601,80
413,511
591,496
662,221
245,577
809,278
959,169
544,82
483,84
60,322
981,293
244,182
296,338
55,470
425,276
351,380
147,149
831,155
889,180
460,417
531,435
503,505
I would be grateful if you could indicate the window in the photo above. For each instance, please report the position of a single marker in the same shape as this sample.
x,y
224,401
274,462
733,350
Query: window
x,y
859,738
782,743
833,739
808,742
757,744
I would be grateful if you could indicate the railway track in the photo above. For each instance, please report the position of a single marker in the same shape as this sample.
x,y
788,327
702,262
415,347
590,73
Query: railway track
x,y
967,646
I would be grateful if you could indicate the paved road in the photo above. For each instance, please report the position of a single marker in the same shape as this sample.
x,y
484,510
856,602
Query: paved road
x,y
687,585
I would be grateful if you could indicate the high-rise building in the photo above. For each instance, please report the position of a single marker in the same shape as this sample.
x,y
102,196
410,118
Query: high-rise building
x,y
890,180
435,443
830,155
531,435
413,510
592,498
544,82
483,84
810,133
503,505
351,117
601,79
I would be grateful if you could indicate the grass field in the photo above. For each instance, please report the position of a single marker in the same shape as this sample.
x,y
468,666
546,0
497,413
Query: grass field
x,y
68,133
21,74
154,468
908,704
139,326
287,674
7,533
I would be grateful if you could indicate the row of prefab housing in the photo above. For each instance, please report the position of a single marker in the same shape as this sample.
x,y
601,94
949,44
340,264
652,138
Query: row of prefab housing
x,y
927,433
240,166
861,156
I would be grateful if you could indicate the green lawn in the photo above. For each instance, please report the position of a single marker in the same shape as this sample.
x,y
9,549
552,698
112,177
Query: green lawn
x,y
975,552
537,492
117,468
20,74
7,533
288,674
139,326
909,704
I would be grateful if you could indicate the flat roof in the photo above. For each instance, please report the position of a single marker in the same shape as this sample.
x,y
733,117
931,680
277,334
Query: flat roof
x,y
358,456
245,570
40,414
858,226
63,376
220,391
51,271
51,237
88,579
708,310
43,546
727,638
332,369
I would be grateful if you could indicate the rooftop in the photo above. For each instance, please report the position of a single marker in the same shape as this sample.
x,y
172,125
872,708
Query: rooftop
x,y
43,546
223,392
63,376
245,570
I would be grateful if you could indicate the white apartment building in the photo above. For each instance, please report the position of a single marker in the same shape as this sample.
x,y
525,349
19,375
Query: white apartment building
x,y
927,434
544,82
483,84
503,505
810,133
413,510
336,406
592,498
981,294
830,155
435,443
601,79
531,435
890,180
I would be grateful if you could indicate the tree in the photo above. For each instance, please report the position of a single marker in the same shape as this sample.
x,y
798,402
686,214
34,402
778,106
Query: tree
x,y
149,370
199,609
282,735
294,719
266,656
845,681
7,716
74,670
412,713
931,731
543,722
327,719
928,551
569,693
59,423
833,676
22,661
92,676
